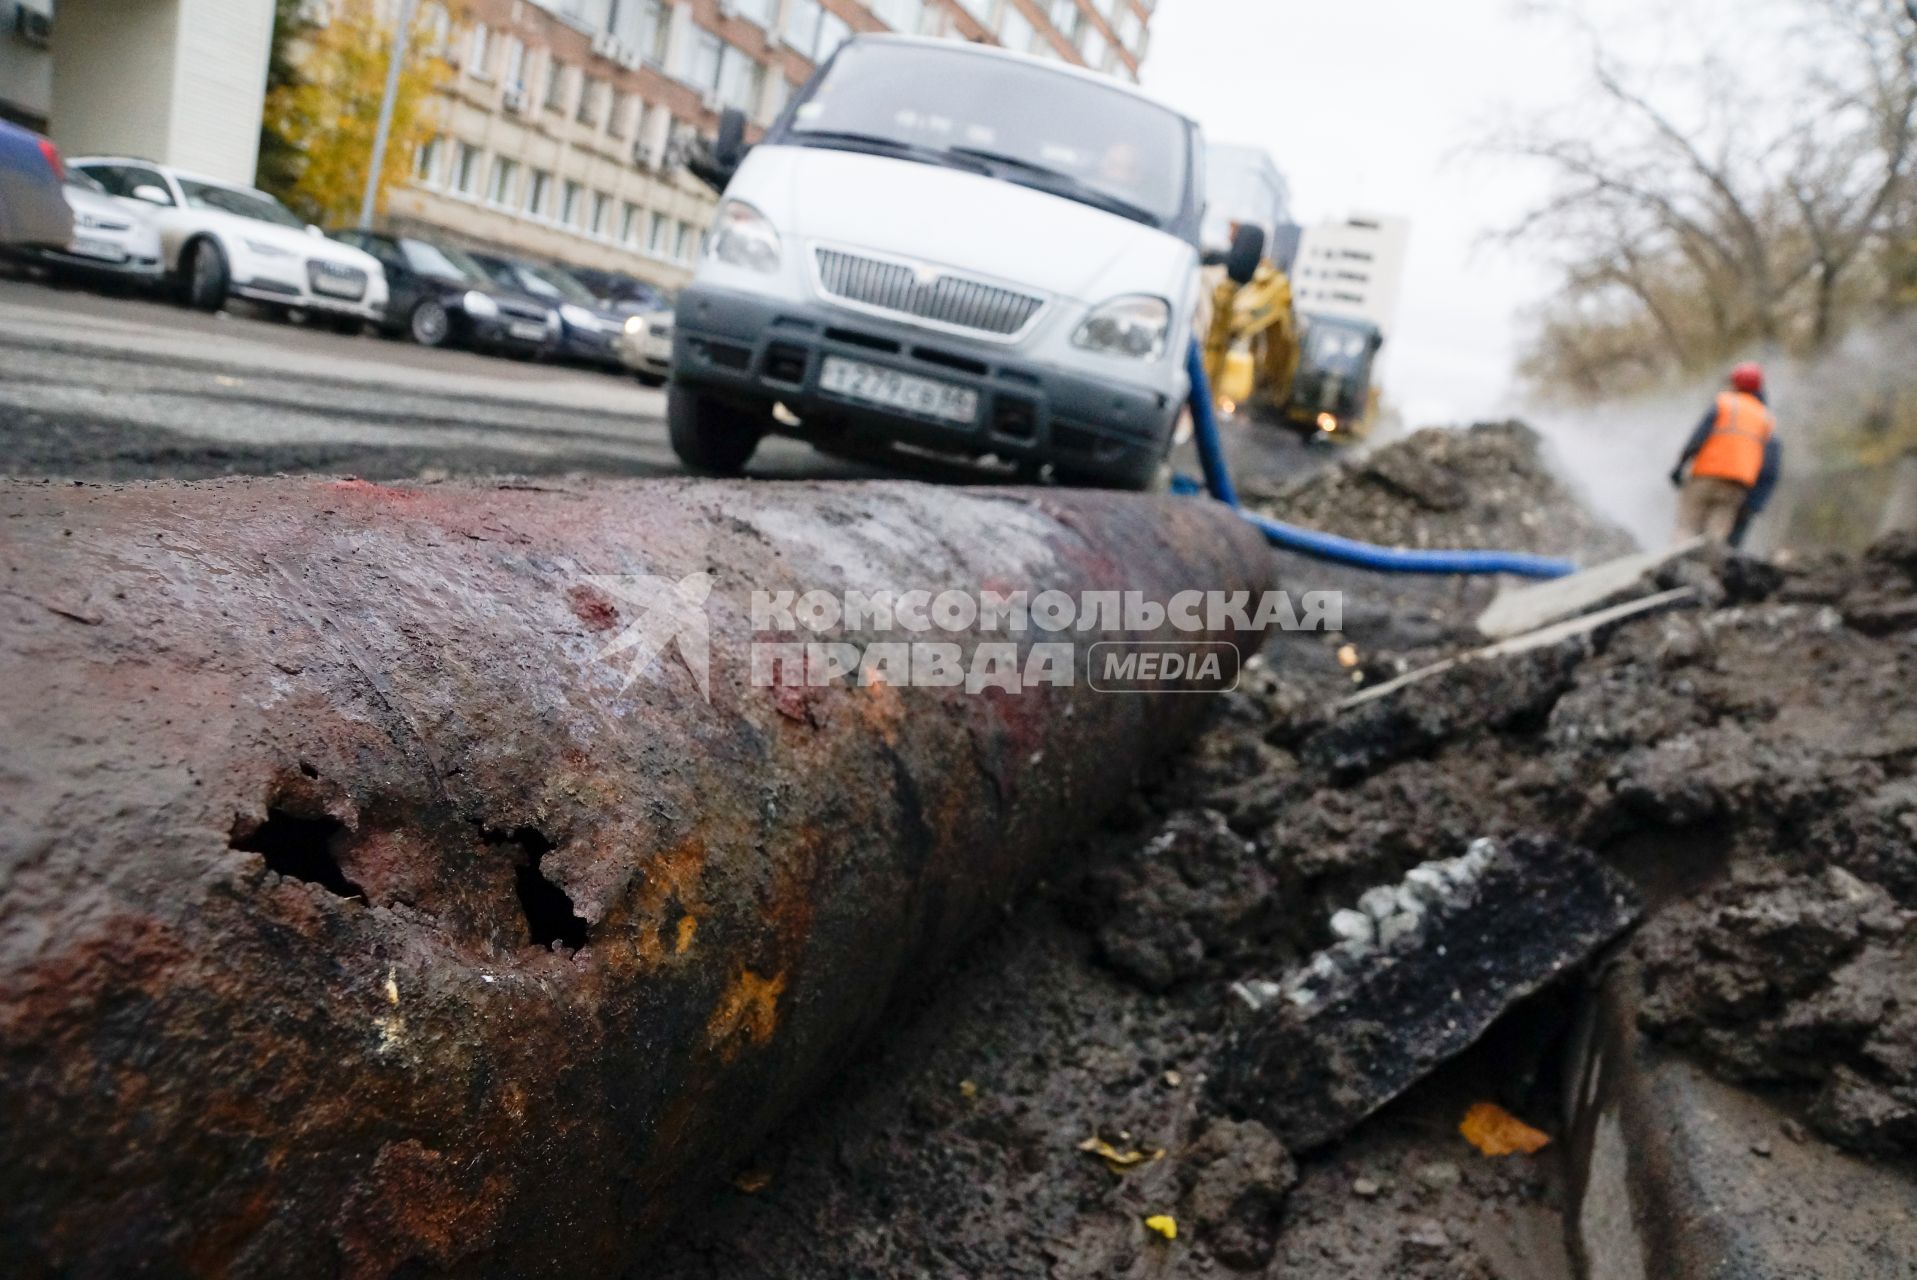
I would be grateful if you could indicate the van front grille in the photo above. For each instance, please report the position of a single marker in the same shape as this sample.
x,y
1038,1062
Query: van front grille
x,y
945,299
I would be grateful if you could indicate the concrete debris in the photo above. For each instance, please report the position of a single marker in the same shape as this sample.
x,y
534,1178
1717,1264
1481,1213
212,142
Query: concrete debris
x,y
1479,933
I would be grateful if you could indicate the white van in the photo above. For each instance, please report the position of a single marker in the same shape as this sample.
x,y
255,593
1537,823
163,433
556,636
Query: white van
x,y
951,247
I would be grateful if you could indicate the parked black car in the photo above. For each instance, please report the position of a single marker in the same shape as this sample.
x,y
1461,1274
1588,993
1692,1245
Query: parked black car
x,y
644,342
623,292
587,325
439,295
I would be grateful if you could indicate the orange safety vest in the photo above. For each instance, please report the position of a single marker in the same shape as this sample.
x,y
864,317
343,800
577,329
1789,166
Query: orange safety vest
x,y
1734,450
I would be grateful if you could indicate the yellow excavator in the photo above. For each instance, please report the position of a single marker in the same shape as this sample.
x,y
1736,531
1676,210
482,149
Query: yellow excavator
x,y
1311,373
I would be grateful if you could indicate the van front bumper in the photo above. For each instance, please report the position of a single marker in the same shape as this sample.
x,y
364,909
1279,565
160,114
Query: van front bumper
x,y
754,351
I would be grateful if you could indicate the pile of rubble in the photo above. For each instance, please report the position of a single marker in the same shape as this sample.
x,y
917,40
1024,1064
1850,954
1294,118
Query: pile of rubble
x,y
1488,486
1066,1100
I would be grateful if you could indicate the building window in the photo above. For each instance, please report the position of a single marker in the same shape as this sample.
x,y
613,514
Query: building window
x,y
656,234
1091,46
682,247
833,32
538,192
589,98
556,85
466,169
628,224
439,28
514,72
505,179
479,50
900,15
708,54
761,12
741,79
802,25
1015,30
618,114
650,26
572,198
426,161
1066,15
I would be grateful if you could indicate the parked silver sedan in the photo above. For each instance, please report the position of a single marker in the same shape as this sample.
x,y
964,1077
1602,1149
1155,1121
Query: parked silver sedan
x,y
644,345
111,239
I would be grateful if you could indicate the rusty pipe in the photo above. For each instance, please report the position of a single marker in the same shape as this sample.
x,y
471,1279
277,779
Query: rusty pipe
x,y
362,911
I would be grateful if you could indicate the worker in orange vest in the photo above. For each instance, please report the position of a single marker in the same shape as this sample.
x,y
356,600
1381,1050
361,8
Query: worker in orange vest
x,y
1734,459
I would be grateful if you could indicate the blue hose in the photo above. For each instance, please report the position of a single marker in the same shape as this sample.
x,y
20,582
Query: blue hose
x,y
1329,546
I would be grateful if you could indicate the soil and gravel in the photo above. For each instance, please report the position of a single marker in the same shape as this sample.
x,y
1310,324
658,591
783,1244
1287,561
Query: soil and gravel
x,y
1488,486
1747,761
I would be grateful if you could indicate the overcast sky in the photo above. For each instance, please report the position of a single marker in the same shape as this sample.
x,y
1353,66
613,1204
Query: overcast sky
x,y
1368,106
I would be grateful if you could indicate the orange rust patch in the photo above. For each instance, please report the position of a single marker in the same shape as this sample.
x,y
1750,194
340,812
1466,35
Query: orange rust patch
x,y
671,877
748,1013
882,709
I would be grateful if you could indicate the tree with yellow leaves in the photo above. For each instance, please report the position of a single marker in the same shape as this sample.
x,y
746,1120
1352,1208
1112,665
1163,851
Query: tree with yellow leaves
x,y
330,111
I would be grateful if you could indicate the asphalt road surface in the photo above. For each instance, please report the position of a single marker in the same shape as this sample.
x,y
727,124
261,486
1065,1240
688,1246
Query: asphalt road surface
x,y
126,387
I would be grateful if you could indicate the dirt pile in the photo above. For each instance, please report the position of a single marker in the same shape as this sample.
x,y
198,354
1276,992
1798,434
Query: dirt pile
x,y
1747,760
1488,486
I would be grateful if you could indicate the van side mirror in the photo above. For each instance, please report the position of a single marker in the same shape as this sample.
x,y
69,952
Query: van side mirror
x,y
1247,251
714,162
151,194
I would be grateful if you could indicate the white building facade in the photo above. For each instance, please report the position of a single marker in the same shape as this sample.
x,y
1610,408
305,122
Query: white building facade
x,y
564,132
181,82
1353,267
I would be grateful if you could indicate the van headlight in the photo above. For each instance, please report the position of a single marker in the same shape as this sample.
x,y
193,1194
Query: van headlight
x,y
743,237
1136,325
635,326
479,306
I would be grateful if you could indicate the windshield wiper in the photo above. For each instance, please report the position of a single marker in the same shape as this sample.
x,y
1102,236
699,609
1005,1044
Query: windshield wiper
x,y
1059,183
879,144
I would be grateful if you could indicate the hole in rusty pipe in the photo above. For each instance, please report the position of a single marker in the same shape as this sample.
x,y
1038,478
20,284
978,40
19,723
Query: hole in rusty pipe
x,y
550,916
303,848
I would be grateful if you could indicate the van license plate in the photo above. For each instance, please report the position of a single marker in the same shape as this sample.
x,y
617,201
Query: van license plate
x,y
889,389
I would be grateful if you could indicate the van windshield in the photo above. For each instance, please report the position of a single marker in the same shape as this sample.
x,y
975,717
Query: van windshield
x,y
1013,120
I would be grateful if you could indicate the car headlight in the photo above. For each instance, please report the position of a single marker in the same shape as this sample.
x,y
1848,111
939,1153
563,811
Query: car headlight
x,y
479,306
1135,325
266,250
744,237
552,322
578,317
635,326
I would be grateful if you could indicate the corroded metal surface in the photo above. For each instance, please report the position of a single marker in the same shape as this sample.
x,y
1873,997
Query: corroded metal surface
x,y
355,917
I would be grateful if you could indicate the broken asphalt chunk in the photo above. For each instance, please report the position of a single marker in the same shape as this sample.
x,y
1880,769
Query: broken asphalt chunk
x,y
1364,1020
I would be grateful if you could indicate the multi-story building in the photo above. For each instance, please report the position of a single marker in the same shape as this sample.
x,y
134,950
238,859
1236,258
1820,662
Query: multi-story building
x,y
1353,267
564,131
